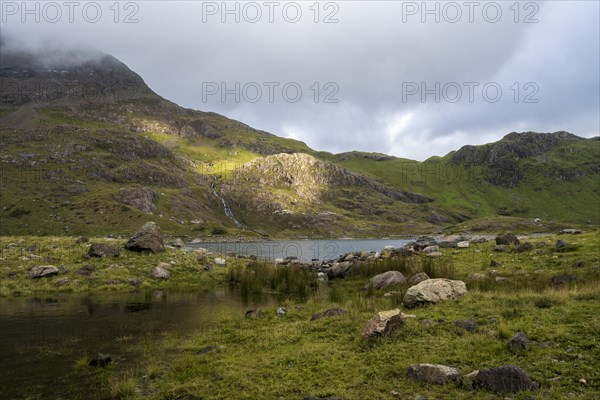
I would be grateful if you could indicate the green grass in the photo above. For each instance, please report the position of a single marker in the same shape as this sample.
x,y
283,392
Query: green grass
x,y
111,274
292,357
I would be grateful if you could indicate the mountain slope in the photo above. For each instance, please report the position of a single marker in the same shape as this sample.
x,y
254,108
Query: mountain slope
x,y
86,147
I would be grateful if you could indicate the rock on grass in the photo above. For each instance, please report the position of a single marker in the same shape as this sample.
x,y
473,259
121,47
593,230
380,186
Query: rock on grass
x,y
149,238
504,379
433,291
433,373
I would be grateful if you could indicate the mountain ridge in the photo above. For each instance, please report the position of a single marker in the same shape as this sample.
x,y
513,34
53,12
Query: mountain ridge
x,y
186,165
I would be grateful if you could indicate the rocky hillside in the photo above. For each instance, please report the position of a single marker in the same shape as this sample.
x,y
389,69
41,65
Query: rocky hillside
x,y
88,148
518,155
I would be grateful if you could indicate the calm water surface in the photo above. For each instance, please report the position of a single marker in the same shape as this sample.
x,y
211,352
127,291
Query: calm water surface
x,y
42,338
305,250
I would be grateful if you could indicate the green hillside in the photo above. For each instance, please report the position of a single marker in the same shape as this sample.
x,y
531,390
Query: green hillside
x,y
102,164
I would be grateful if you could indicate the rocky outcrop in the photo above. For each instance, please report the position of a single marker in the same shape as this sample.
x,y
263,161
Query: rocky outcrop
x,y
308,177
433,291
149,238
144,199
501,159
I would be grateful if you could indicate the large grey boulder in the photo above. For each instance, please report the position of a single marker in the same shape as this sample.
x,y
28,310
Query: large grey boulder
x,y
433,373
433,291
504,379
149,238
386,279
43,271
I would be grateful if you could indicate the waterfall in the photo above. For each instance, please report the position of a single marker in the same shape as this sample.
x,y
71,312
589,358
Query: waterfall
x,y
227,210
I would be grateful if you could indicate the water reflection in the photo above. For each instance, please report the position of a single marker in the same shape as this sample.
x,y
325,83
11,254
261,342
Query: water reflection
x,y
41,338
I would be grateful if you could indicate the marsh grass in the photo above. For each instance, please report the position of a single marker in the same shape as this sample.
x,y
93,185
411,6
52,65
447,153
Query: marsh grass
x,y
258,276
123,387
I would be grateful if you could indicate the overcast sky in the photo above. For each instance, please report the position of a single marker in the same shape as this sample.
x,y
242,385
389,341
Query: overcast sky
x,y
493,66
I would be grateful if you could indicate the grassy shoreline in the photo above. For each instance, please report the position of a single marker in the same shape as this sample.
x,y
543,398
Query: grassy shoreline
x,y
292,357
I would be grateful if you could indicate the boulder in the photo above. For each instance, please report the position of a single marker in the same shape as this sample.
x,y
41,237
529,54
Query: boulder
x,y
61,281
466,324
448,245
384,322
431,249
476,276
560,244
281,311
507,239
149,238
178,243
501,248
134,281
42,271
386,279
418,277
86,270
519,342
328,313
523,247
161,273
463,245
339,270
570,231
104,250
257,313
220,261
504,379
433,373
477,239
433,291
82,239
101,360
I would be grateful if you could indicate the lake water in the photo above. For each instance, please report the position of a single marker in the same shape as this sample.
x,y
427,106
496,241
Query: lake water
x,y
42,338
305,250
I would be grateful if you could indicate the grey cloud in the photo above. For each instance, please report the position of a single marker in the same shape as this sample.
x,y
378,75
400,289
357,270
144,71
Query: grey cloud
x,y
368,54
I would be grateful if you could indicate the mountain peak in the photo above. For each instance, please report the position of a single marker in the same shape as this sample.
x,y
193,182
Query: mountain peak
x,y
73,75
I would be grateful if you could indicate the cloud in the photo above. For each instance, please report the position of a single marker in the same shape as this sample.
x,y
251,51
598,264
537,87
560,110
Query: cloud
x,y
366,58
